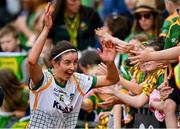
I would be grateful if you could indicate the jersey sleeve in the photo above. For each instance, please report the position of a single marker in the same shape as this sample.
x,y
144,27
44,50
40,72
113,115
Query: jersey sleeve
x,y
86,82
165,28
41,83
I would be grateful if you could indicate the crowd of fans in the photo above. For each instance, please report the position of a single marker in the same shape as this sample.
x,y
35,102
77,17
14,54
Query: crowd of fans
x,y
144,33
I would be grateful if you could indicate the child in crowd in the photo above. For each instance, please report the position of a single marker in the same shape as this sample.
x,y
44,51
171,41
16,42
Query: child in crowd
x,y
16,99
9,40
114,26
9,44
154,78
171,6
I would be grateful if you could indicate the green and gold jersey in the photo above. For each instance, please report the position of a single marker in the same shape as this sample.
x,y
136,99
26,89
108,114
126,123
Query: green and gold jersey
x,y
153,81
167,23
173,35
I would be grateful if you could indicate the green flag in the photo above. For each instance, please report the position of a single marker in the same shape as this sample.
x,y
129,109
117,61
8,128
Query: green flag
x,y
13,61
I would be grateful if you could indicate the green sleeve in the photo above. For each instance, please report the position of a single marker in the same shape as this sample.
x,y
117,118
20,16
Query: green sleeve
x,y
37,86
160,80
125,72
94,82
25,96
172,38
165,28
93,98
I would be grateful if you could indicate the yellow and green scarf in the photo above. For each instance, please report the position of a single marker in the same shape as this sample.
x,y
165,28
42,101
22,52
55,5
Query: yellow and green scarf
x,y
72,28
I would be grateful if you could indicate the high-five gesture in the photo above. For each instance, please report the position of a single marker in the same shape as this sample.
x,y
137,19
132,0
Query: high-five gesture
x,y
108,51
121,46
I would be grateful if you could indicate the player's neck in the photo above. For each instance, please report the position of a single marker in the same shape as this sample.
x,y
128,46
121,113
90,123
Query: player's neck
x,y
60,81
57,78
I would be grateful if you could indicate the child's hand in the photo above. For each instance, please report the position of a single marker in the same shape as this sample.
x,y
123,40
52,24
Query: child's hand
x,y
140,56
109,102
102,33
124,48
48,16
165,91
107,90
103,115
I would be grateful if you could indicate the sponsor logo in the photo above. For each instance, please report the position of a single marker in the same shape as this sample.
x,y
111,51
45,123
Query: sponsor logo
x,y
59,91
71,96
61,98
56,94
63,109
173,39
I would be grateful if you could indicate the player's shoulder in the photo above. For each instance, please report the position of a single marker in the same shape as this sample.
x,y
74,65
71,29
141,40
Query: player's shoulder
x,y
81,76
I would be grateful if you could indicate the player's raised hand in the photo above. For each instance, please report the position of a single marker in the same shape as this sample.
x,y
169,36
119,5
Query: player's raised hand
x,y
48,15
108,51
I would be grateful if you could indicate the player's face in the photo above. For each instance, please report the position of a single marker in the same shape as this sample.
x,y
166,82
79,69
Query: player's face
x,y
67,65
